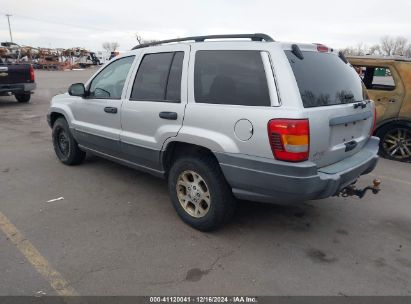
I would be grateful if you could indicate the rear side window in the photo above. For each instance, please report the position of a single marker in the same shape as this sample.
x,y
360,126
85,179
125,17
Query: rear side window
x,y
376,78
230,77
159,78
325,80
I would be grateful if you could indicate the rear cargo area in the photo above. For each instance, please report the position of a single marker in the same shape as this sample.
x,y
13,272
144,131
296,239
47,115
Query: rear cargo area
x,y
335,102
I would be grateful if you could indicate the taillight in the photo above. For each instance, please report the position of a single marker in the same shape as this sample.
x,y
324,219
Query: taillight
x,y
289,139
31,73
322,48
374,124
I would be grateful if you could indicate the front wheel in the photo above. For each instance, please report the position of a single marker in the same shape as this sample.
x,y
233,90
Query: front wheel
x,y
23,97
65,145
199,192
395,142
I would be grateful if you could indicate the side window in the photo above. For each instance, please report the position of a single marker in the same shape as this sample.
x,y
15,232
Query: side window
x,y
109,83
159,78
230,77
376,78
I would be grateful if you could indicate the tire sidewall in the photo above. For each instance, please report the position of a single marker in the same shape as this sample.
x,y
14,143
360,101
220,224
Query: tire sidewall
x,y
61,124
215,215
24,97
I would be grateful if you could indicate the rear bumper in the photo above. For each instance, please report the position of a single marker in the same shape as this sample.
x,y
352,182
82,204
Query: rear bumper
x,y
17,87
265,180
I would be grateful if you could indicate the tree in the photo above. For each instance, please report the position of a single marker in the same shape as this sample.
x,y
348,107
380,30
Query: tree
x,y
359,50
111,46
400,46
387,45
374,50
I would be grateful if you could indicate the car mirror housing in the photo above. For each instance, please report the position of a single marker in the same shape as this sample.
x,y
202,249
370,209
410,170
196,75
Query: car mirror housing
x,y
77,89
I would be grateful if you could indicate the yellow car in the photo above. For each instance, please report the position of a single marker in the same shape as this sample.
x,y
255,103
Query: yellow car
x,y
388,81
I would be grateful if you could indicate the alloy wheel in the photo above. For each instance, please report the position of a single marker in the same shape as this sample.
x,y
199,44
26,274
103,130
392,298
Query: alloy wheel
x,y
397,143
193,193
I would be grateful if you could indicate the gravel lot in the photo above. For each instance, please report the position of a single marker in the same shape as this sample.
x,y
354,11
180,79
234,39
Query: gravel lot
x,y
116,233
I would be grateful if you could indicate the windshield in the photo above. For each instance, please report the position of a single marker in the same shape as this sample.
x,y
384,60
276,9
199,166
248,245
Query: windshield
x,y
324,79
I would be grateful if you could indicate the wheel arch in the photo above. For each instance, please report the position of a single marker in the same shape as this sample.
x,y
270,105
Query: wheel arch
x,y
174,149
55,113
54,116
398,120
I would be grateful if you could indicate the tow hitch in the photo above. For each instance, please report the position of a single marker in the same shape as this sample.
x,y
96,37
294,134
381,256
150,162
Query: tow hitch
x,y
351,190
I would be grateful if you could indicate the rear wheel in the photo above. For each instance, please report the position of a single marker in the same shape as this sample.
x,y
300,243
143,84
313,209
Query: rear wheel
x,y
395,142
65,146
199,192
23,97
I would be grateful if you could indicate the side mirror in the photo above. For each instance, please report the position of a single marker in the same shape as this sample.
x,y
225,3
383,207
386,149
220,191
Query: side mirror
x,y
77,89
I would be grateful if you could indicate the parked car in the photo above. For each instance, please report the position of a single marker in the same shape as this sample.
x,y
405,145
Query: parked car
x,y
18,80
388,80
255,120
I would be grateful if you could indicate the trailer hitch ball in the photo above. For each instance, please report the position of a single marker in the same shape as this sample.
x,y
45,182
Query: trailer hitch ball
x,y
376,182
351,190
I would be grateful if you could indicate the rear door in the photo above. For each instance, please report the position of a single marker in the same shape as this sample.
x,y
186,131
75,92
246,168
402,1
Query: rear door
x,y
332,94
155,104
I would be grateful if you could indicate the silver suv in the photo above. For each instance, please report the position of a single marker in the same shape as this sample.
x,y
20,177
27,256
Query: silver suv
x,y
255,120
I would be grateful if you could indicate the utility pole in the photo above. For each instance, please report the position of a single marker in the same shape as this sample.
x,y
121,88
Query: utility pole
x,y
8,20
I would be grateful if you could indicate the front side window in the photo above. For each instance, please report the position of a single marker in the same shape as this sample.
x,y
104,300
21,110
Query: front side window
x,y
109,83
230,77
159,78
376,78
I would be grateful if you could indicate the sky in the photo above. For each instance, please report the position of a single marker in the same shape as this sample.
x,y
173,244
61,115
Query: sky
x,y
89,23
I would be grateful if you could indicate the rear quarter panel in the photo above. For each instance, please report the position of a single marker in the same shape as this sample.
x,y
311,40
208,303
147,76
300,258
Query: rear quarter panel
x,y
213,125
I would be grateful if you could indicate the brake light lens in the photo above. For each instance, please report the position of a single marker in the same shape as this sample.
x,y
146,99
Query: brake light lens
x,y
322,48
31,73
289,139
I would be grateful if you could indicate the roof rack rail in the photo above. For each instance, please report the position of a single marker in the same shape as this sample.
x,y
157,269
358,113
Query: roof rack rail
x,y
253,37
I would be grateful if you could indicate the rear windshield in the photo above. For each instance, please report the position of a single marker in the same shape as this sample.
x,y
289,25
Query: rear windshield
x,y
325,80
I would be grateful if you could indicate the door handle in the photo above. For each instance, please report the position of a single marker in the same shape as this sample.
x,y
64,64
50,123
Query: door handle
x,y
111,110
168,115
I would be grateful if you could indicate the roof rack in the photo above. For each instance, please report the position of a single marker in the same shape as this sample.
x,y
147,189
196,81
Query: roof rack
x,y
253,37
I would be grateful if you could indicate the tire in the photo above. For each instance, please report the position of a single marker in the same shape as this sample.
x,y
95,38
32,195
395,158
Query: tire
x,y
395,141
23,97
216,208
65,146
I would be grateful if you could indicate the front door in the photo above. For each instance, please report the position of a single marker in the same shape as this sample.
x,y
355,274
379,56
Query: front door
x,y
97,122
154,108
